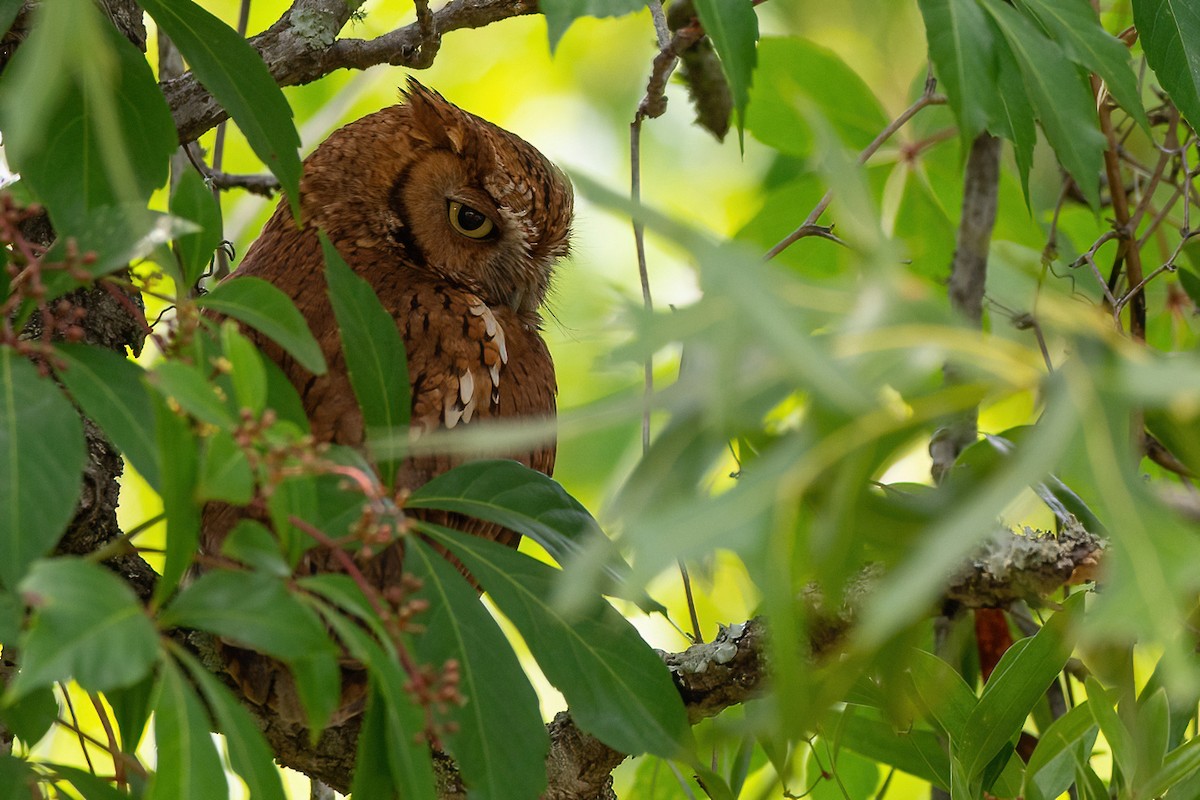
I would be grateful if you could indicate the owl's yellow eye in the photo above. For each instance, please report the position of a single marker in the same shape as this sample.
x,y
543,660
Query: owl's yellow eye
x,y
469,222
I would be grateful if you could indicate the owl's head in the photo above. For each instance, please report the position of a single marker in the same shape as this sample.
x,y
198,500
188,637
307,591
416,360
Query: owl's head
x,y
427,186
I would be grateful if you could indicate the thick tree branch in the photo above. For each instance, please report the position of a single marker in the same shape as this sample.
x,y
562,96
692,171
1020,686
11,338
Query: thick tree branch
x,y
303,46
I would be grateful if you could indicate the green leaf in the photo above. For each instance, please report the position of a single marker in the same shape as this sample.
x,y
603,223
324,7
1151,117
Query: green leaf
x,y
1170,34
1059,94
561,13
234,72
1180,763
84,133
501,743
248,375
917,751
180,474
1051,768
193,200
12,611
1124,747
8,12
252,544
31,715
257,611
188,765
193,391
268,310
732,26
944,694
1075,26
89,786
375,357
961,48
131,706
43,456
87,625
1014,118
17,779
1016,685
249,754
617,688
112,391
224,471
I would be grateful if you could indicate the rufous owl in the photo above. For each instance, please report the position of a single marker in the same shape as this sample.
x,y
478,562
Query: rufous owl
x,y
457,225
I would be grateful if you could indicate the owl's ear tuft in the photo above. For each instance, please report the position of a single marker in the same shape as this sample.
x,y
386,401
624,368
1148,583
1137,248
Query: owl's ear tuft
x,y
436,120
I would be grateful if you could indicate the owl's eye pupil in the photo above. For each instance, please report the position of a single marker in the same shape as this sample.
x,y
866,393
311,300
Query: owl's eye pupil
x,y
468,221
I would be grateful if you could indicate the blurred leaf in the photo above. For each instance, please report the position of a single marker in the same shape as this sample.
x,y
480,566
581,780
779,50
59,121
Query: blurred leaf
x,y
375,358
180,474
501,743
1179,764
617,688
188,765
193,200
1076,27
1190,282
561,13
16,778
112,391
87,625
1170,35
42,450
12,611
193,391
131,706
961,48
268,310
234,72
252,544
30,716
733,29
224,471
112,131
1059,94
89,785
257,611
1051,768
8,12
248,376
916,751
249,754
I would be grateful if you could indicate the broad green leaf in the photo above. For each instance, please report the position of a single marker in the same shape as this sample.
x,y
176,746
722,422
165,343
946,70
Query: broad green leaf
x,y
17,779
525,500
1075,26
561,13
917,751
249,755
180,474
1170,35
195,393
617,688
193,200
31,715
793,72
1060,96
943,693
375,357
112,391
269,311
110,131
12,611
1015,686
131,707
252,544
234,72
248,376
1120,739
393,719
501,743
188,765
224,471
733,29
87,625
1051,768
8,12
257,611
961,48
42,456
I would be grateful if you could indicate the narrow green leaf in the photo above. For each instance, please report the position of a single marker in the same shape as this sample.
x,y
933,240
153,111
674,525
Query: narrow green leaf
x,y
224,471
188,765
943,693
193,200
1124,748
112,391
561,13
248,375
375,357
617,687
87,625
1014,119
733,27
1060,95
1153,729
372,773
1016,685
917,751
268,310
234,72
501,743
42,458
961,48
180,474
1180,763
1075,26
193,391
1052,765
249,754
1170,34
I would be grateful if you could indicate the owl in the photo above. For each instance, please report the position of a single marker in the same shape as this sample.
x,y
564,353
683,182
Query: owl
x,y
457,225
